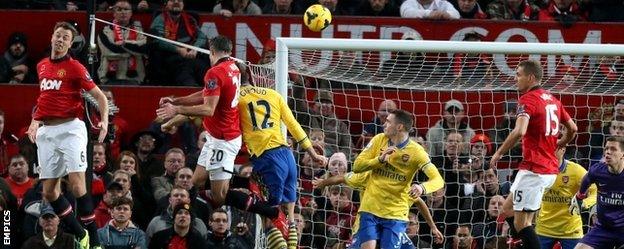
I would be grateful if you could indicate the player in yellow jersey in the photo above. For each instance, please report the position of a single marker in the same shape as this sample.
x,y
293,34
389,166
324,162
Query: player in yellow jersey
x,y
262,112
359,181
557,221
393,159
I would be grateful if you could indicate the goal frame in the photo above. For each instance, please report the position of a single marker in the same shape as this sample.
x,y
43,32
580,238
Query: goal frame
x,y
284,44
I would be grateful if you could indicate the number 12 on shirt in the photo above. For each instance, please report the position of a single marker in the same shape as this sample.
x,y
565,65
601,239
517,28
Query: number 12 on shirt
x,y
265,120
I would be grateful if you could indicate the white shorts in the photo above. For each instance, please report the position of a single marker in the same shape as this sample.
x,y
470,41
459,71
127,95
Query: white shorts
x,y
62,149
218,156
528,189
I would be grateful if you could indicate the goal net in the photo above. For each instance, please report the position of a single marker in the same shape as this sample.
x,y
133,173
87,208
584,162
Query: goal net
x,y
339,89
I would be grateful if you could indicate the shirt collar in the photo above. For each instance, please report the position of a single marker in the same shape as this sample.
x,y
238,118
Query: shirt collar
x,y
400,145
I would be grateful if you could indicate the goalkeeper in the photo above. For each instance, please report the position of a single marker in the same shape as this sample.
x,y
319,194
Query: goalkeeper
x,y
393,159
358,181
559,219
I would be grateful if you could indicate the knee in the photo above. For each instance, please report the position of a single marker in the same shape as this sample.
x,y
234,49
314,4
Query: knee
x,y
78,190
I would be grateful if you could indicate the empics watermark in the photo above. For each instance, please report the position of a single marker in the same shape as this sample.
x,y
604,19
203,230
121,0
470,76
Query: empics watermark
x,y
6,227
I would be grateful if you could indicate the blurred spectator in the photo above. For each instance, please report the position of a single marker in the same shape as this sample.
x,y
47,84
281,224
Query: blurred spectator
x,y
18,179
521,10
405,63
377,8
504,127
183,179
228,8
268,52
120,126
376,127
220,236
191,157
605,10
469,9
170,64
174,160
51,236
610,69
142,202
114,190
463,239
101,172
321,115
122,51
146,143
412,230
564,78
121,232
480,150
181,234
339,7
487,227
15,64
472,69
453,120
566,12
341,219
285,7
429,9
337,165
445,215
164,221
31,206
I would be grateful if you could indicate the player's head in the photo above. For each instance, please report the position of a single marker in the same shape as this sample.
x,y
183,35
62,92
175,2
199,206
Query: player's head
x,y
62,38
398,122
220,46
245,73
528,74
614,151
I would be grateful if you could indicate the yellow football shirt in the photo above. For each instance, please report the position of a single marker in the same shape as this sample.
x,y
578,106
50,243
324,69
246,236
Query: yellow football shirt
x,y
387,190
262,111
554,219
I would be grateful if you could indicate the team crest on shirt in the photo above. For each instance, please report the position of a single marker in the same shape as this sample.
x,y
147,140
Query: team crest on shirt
x,y
565,179
546,96
61,73
405,157
211,84
520,109
88,76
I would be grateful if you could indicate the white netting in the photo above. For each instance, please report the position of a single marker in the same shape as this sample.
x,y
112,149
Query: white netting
x,y
422,83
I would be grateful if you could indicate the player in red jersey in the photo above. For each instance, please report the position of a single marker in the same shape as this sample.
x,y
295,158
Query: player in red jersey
x,y
217,103
539,116
61,137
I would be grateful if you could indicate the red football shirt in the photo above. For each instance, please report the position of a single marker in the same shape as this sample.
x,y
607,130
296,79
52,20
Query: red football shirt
x,y
223,80
545,113
60,82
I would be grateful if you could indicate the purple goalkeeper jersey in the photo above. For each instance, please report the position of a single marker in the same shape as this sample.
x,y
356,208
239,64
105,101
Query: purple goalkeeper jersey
x,y
610,209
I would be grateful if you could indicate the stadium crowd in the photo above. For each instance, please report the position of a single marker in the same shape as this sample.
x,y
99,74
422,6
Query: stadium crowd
x,y
141,183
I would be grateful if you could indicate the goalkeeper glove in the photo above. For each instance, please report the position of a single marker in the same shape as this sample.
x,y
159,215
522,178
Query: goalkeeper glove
x,y
576,204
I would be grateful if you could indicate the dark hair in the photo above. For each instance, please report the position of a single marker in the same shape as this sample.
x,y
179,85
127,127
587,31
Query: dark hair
x,y
67,26
218,210
221,43
244,73
532,67
1,112
617,139
122,200
405,118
